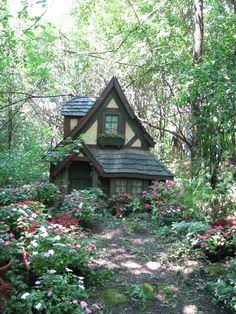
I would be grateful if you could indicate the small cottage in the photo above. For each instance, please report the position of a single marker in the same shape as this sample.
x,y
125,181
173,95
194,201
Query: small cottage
x,y
115,150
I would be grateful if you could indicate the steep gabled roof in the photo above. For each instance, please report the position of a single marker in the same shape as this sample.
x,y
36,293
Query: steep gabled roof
x,y
78,106
113,84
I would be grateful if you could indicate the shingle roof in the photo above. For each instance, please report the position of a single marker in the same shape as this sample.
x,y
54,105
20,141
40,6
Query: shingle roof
x,y
130,161
78,106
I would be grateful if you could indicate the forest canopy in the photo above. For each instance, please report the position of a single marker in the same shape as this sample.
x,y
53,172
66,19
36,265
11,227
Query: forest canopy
x,y
175,60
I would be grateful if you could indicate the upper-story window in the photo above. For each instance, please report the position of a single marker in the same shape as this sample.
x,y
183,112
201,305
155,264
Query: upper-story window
x,y
111,124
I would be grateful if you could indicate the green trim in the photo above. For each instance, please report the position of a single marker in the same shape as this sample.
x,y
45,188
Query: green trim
x,y
94,178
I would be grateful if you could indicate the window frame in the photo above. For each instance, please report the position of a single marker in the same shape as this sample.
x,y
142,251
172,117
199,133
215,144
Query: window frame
x,y
106,114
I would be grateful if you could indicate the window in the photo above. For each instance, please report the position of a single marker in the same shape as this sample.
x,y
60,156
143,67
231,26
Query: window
x,y
121,186
111,125
136,187
133,186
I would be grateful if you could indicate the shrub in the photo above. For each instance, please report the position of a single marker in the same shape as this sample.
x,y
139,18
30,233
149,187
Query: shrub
x,y
120,204
44,192
7,244
82,204
52,293
224,287
53,246
217,242
23,217
164,200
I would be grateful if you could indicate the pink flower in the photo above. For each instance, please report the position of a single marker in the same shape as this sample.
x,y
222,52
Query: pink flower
x,y
96,306
49,293
144,192
147,205
75,302
88,311
165,191
83,304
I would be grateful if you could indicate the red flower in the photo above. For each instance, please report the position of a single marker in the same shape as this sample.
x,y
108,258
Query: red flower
x,y
11,235
32,228
38,212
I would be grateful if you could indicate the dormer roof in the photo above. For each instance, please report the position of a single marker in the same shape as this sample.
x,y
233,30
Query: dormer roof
x,y
78,106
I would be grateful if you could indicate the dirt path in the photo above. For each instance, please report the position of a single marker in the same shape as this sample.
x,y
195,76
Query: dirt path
x,y
142,258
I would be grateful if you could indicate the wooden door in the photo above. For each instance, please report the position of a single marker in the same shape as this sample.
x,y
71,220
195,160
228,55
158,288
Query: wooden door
x,y
79,175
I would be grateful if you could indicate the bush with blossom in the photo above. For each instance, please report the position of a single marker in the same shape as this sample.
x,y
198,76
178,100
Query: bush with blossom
x,y
58,247
53,293
164,200
44,192
217,242
7,244
120,204
82,204
23,217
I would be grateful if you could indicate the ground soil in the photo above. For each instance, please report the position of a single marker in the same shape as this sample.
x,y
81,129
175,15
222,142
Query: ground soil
x,y
137,255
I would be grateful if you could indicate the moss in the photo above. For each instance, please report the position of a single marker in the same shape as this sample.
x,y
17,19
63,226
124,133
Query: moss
x,y
112,297
148,290
215,269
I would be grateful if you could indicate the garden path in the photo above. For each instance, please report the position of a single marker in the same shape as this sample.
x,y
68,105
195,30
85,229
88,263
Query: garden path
x,y
137,256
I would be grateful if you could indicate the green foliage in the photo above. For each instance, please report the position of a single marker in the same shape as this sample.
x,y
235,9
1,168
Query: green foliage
x,y
224,285
120,204
52,293
7,244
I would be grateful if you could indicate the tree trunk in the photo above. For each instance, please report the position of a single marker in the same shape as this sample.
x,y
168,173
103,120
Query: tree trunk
x,y
197,55
198,30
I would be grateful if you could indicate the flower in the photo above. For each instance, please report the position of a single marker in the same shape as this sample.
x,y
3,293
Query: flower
x,y
75,301
147,205
49,293
52,271
37,282
96,306
83,304
25,295
38,306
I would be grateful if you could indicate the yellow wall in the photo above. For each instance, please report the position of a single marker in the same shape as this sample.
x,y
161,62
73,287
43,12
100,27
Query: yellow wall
x,y
112,104
129,133
73,123
137,143
90,136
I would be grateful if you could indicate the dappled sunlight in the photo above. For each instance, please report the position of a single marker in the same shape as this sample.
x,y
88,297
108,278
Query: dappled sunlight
x,y
190,309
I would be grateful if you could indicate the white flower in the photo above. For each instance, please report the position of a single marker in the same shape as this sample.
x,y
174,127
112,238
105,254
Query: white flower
x,y
57,237
34,215
52,271
37,282
34,243
25,295
51,252
38,306
43,229
69,270
44,234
